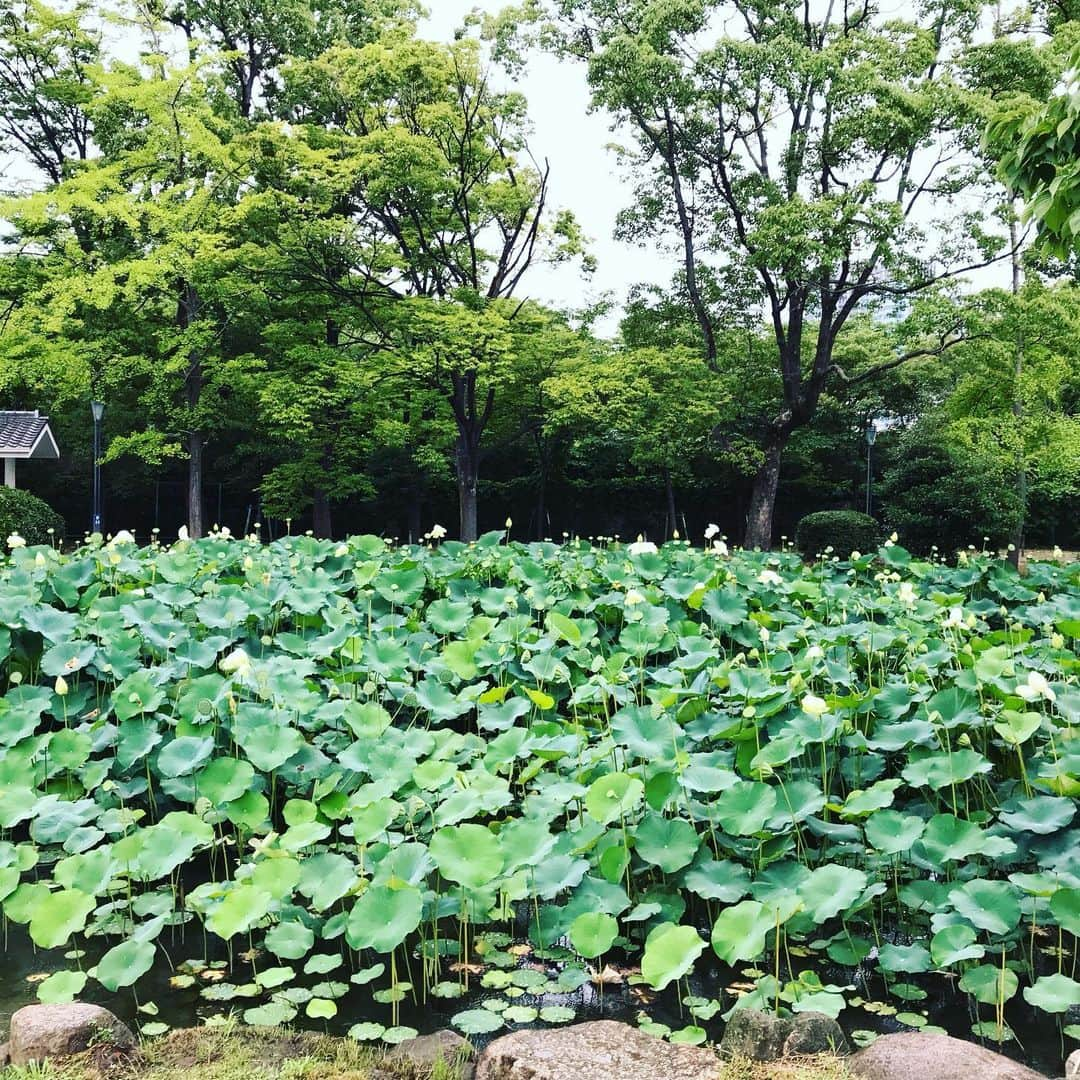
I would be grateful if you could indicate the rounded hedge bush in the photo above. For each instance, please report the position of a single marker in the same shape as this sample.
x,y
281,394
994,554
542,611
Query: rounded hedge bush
x,y
844,531
29,517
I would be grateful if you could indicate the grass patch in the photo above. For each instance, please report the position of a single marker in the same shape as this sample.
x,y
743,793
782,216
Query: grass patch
x,y
233,1052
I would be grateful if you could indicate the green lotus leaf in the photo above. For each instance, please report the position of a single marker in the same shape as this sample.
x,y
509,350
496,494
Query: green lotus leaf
x,y
953,944
1053,993
61,987
290,940
613,796
989,905
467,854
989,983
125,964
1042,814
830,890
593,933
669,843
477,1021
740,931
58,915
745,807
891,832
670,952
382,918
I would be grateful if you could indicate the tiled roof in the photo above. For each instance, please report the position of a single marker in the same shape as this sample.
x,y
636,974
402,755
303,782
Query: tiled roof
x,y
25,434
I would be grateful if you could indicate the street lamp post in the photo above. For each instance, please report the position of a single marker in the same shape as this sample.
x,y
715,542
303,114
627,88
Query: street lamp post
x,y
871,435
97,410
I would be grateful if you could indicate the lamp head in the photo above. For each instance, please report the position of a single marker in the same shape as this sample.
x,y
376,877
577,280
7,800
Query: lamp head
x,y
871,433
97,408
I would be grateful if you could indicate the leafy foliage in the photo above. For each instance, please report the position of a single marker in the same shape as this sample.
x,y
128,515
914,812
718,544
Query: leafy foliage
x,y
410,745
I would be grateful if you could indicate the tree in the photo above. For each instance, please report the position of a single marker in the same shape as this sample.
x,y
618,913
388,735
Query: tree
x,y
662,406
441,212
796,159
46,81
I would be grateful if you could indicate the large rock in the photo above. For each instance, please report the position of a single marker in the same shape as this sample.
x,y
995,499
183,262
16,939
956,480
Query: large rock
x,y
1072,1066
599,1050
762,1036
39,1032
915,1056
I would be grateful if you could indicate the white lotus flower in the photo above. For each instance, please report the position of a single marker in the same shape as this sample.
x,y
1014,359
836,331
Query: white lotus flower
x,y
711,531
769,577
341,550
815,652
437,532
720,547
182,533
812,705
236,663
641,547
122,537
764,634
1036,687
15,541
633,598
906,593
955,618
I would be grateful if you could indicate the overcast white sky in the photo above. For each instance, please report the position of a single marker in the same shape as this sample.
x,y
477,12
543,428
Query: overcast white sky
x,y
583,175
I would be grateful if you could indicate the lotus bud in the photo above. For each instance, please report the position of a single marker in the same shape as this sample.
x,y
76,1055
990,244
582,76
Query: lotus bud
x,y
964,740
15,678
39,560
812,705
341,550
60,687
1057,641
249,562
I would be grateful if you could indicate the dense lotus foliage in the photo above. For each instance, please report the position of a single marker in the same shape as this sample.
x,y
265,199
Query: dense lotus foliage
x,y
395,770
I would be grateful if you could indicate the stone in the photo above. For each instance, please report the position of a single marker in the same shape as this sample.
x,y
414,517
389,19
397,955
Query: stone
x,y
424,1051
913,1055
39,1032
757,1035
598,1050
1072,1066
5,1056
815,1033
763,1036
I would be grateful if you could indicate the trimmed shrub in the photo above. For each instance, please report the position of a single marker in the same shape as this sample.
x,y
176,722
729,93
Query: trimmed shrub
x,y
29,516
844,531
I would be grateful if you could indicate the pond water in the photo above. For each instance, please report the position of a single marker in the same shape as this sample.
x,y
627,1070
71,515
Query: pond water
x,y
1038,1041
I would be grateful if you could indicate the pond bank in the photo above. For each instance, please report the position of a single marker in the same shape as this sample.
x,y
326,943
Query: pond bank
x,y
234,1052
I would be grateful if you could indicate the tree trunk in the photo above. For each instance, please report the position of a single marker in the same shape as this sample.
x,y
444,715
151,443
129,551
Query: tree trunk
x,y
195,523
320,512
188,311
669,494
759,518
468,479
1017,552
471,423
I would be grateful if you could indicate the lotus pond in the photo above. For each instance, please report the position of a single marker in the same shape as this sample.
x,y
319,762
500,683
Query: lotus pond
x,y
362,785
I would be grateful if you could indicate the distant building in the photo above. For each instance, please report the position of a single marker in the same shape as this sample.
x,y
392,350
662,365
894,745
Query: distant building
x,y
24,434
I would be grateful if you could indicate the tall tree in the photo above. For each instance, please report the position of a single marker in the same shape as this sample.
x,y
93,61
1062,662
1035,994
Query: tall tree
x,y
797,157
426,167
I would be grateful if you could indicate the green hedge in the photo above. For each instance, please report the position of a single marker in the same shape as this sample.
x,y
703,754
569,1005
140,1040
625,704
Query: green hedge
x,y
29,517
844,531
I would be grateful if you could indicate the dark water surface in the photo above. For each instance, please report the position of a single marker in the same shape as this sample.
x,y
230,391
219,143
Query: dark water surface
x,y
1038,1043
